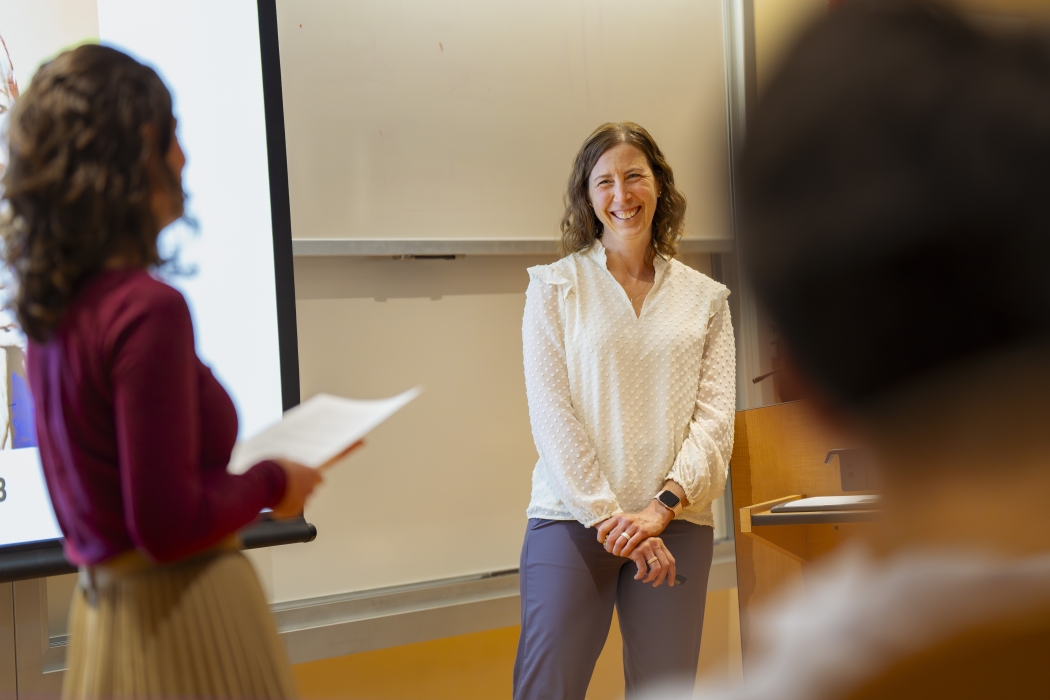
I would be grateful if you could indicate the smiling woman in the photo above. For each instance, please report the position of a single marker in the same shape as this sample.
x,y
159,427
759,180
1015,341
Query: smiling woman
x,y
629,371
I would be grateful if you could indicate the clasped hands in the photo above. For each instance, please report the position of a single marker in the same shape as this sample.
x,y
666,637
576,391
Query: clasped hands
x,y
642,545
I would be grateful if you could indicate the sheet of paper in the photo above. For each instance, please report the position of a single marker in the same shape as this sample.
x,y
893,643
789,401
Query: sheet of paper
x,y
317,430
819,503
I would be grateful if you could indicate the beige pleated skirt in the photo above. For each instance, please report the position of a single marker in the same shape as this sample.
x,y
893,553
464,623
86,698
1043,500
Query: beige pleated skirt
x,y
196,629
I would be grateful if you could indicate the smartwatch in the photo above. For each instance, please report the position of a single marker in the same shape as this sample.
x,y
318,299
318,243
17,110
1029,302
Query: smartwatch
x,y
669,499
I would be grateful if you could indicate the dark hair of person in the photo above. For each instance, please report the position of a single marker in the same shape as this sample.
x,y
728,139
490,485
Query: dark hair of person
x,y
76,185
580,226
894,208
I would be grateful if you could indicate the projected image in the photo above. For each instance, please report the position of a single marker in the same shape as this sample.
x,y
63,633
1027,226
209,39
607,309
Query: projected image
x,y
8,84
30,34
16,405
208,54
16,412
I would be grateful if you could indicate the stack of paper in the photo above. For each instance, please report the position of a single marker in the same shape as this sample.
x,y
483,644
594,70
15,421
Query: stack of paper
x,y
822,503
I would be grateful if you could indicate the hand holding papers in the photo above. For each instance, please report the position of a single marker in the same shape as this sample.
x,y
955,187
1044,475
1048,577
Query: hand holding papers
x,y
317,430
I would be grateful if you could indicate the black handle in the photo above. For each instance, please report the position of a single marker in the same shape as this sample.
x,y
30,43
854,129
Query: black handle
x,y
855,468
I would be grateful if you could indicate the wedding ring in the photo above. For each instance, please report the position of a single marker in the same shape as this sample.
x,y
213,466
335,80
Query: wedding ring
x,y
624,534
650,561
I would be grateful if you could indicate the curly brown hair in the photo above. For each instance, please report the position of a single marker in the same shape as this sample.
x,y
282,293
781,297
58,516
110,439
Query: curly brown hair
x,y
580,226
77,184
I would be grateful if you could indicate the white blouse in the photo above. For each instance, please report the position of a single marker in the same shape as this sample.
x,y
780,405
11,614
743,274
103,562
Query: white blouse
x,y
620,403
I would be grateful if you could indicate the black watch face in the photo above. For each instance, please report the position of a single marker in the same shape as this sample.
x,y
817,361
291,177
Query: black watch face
x,y
669,499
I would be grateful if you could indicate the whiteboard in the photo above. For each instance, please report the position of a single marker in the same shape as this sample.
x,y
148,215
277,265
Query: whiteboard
x,y
452,119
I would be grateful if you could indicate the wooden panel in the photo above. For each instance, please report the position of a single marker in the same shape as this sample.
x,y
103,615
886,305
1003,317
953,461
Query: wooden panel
x,y
789,541
760,571
802,541
7,643
782,448
778,451
36,678
821,539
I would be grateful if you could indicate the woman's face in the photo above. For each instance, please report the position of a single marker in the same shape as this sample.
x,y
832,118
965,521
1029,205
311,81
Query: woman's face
x,y
624,191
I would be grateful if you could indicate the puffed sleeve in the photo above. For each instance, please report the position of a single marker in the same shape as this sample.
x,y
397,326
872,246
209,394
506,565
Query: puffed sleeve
x,y
566,452
702,465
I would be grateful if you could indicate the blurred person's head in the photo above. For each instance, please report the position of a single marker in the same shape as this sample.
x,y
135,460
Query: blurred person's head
x,y
896,226
94,175
622,184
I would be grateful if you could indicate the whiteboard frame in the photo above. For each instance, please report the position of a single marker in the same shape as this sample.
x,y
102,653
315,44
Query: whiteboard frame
x,y
280,203
411,247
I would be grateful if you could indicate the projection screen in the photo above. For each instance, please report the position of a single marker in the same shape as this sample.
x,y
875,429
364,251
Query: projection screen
x,y
220,61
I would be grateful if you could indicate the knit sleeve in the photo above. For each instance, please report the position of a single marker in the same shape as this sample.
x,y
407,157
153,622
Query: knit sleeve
x,y
702,464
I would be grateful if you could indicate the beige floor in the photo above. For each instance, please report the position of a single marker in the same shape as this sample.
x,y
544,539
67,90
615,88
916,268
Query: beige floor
x,y
478,666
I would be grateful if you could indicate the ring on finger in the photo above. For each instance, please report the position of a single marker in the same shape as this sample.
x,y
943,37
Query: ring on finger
x,y
624,534
650,561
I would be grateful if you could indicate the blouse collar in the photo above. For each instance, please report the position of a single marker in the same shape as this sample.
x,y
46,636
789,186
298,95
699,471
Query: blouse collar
x,y
597,253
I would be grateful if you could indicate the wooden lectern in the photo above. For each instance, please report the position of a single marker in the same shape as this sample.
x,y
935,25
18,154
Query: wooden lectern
x,y
780,455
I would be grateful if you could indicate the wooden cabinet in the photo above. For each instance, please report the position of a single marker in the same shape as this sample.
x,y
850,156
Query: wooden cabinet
x,y
778,456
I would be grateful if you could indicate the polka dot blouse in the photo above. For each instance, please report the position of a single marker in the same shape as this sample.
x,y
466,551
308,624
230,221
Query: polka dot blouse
x,y
620,403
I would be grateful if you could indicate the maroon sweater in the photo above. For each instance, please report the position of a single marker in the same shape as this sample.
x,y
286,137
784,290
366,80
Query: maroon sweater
x,y
134,431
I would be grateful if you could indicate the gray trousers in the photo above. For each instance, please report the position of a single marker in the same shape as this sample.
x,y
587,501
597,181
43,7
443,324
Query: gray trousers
x,y
569,585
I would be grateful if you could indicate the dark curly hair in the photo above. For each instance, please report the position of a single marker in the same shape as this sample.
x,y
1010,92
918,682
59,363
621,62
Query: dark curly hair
x,y
78,184
580,226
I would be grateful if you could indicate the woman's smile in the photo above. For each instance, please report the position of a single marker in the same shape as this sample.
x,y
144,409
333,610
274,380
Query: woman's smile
x,y
627,214
624,192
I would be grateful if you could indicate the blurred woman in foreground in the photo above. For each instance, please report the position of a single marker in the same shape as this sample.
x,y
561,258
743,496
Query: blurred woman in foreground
x,y
897,227
134,431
